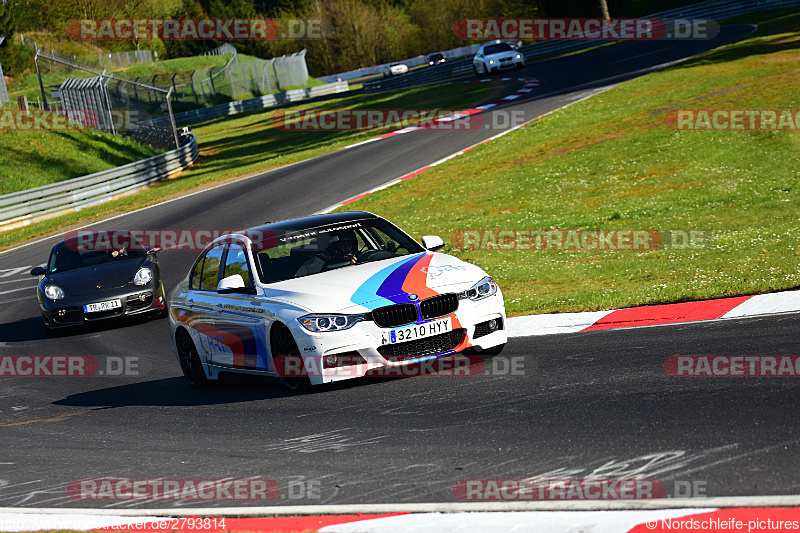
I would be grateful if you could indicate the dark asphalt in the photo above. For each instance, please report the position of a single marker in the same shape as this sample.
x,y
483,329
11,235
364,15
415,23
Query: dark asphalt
x,y
583,405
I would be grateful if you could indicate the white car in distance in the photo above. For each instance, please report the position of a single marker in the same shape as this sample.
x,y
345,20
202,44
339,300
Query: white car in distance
x,y
495,56
394,69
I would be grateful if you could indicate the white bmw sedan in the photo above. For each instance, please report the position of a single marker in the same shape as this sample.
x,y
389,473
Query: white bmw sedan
x,y
496,56
329,297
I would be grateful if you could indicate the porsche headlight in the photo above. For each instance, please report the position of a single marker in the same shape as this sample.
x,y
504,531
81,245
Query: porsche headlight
x,y
483,289
322,323
53,292
143,276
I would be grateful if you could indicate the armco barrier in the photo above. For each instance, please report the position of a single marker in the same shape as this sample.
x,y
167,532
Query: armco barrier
x,y
241,106
33,205
445,71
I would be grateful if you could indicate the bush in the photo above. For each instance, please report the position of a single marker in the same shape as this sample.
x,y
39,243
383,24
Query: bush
x,y
16,59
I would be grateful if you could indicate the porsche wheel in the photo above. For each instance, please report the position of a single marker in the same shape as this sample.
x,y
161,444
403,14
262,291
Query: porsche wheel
x,y
286,354
190,361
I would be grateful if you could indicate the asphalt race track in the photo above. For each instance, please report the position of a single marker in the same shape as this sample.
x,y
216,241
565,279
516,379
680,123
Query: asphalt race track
x,y
585,405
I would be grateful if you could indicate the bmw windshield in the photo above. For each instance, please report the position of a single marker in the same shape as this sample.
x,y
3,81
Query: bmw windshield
x,y
306,251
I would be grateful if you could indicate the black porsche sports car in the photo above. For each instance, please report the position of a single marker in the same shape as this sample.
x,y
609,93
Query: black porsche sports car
x,y
96,276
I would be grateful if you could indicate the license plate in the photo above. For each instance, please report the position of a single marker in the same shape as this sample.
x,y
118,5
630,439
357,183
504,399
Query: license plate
x,y
102,306
420,331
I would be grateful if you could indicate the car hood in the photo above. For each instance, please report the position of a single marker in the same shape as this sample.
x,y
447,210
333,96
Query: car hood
x,y
108,275
500,55
361,288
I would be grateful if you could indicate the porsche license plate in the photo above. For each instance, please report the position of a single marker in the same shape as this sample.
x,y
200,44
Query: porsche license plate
x,y
102,306
421,331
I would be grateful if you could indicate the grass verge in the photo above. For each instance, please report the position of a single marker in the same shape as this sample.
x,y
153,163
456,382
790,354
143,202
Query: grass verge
x,y
246,144
611,162
30,158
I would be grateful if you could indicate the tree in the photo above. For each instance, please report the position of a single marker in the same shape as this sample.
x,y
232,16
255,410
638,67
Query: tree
x,y
7,22
604,10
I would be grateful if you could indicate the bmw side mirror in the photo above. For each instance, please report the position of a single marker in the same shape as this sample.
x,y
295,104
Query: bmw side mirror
x,y
154,250
433,243
37,271
233,283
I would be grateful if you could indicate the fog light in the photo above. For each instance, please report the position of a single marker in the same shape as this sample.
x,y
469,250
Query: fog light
x,y
329,361
493,325
62,312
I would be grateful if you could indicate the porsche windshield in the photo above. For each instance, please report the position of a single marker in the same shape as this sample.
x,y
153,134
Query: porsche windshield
x,y
67,258
314,250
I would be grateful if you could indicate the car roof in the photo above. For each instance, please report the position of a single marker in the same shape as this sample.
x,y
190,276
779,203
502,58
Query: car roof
x,y
92,235
313,221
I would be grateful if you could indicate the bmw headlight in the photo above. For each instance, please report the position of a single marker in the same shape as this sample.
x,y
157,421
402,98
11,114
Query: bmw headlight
x,y
483,289
322,323
519,56
491,61
143,276
54,292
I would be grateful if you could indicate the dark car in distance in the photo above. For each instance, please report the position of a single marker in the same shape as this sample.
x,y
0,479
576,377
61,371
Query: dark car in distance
x,y
99,275
436,59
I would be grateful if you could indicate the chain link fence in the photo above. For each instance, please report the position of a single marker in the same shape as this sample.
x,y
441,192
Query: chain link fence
x,y
112,104
239,80
124,59
109,60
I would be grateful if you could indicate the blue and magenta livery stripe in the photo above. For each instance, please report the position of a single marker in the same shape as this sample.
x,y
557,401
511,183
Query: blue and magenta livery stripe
x,y
391,284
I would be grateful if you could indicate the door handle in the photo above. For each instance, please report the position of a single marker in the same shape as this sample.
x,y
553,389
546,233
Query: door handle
x,y
190,302
219,307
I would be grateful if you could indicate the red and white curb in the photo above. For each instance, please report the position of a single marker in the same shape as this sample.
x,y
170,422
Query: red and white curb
x,y
528,85
749,519
653,315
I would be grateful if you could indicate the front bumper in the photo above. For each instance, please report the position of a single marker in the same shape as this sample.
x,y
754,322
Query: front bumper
x,y
134,300
362,349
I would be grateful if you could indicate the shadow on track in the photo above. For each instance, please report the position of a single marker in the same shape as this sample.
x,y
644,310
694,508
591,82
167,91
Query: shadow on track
x,y
172,392
23,330
32,328
231,389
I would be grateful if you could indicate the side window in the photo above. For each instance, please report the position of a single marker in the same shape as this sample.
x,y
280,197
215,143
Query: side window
x,y
196,270
236,263
208,280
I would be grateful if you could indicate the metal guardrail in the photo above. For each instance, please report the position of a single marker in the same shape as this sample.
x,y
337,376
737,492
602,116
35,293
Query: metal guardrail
x,y
451,55
242,106
48,201
445,71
